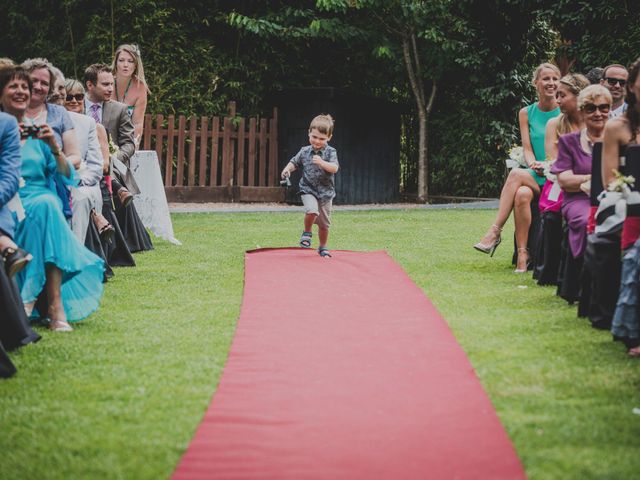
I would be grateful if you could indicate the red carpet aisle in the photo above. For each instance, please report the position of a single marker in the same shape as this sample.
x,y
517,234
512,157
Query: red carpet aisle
x,y
341,368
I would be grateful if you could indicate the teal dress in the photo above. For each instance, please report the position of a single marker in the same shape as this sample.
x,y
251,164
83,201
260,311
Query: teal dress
x,y
45,233
537,125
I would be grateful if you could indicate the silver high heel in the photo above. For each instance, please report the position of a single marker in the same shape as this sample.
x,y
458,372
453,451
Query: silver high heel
x,y
526,265
490,248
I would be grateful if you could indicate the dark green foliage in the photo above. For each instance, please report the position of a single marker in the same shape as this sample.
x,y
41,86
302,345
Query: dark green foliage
x,y
199,55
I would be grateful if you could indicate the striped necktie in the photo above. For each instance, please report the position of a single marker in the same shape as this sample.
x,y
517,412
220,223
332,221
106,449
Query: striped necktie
x,y
94,112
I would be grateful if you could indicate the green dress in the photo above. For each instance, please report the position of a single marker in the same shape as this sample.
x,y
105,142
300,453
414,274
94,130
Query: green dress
x,y
537,125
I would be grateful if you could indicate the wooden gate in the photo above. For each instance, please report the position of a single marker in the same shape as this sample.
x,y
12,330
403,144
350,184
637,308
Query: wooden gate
x,y
216,159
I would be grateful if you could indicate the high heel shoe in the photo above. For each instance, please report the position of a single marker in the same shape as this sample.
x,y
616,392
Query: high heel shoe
x,y
491,246
522,250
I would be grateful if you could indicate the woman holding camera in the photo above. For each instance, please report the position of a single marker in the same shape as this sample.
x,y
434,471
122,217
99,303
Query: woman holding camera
x,y
63,275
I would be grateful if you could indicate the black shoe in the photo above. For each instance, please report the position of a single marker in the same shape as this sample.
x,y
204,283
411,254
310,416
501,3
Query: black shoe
x,y
15,260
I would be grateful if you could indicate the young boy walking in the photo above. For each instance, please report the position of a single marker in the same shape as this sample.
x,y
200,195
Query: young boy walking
x,y
319,163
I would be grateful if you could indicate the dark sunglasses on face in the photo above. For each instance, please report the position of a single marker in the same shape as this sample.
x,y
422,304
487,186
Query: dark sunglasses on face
x,y
591,107
613,81
78,97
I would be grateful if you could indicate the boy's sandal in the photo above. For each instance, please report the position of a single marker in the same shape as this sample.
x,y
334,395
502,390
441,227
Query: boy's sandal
x,y
324,252
305,239
15,260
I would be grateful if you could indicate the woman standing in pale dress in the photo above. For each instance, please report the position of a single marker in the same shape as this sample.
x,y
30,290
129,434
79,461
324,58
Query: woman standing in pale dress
x,y
131,87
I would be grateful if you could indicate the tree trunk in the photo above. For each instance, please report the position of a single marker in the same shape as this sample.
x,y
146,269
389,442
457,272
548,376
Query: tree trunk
x,y
423,164
412,64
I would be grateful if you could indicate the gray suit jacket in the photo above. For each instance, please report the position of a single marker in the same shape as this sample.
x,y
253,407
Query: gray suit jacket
x,y
117,121
91,170
10,164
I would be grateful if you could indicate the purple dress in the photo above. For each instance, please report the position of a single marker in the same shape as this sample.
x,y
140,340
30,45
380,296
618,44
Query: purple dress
x,y
575,206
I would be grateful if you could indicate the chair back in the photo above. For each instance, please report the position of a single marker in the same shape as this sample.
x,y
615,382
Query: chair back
x,y
632,164
596,173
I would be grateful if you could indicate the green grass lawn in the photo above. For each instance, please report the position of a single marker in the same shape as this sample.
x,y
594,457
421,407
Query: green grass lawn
x,y
121,396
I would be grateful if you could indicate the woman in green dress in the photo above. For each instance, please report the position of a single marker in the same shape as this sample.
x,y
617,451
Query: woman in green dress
x,y
523,184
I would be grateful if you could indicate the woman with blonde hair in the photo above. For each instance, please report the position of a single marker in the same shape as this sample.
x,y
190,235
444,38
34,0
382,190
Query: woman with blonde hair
x,y
570,118
522,185
130,85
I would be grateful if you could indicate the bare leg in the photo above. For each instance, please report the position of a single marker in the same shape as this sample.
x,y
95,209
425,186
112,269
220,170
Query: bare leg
x,y
56,310
323,236
522,220
517,178
309,218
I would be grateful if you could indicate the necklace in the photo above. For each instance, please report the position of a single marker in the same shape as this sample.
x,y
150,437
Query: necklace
x,y
586,142
39,118
126,90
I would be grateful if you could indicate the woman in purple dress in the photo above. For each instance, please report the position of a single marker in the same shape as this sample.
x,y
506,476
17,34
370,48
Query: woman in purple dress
x,y
573,166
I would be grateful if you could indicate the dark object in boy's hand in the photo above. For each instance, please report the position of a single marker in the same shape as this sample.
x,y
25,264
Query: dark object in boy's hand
x,y
285,182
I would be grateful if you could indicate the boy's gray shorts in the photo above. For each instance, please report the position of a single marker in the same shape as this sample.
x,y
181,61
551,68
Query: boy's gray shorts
x,y
321,209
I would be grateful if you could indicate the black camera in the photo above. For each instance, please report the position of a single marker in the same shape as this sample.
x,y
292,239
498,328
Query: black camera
x,y
29,131
285,182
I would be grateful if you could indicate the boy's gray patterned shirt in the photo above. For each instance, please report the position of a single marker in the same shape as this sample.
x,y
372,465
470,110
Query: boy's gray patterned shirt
x,y
315,180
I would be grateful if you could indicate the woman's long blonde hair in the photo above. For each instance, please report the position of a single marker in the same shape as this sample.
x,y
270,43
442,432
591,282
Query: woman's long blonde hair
x,y
134,51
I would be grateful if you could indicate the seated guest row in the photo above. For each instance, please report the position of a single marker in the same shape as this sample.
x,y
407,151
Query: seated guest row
x,y
57,175
569,140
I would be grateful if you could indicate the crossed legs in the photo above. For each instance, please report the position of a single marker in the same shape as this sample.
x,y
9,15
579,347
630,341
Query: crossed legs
x,y
517,193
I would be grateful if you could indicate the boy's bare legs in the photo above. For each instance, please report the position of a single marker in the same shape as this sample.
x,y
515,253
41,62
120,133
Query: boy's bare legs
x,y
309,220
323,236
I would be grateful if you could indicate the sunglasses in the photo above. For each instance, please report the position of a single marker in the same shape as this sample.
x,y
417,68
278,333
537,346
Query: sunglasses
x,y
78,97
591,107
613,81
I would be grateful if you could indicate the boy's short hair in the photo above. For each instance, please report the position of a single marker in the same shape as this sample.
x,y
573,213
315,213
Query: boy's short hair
x,y
323,123
92,71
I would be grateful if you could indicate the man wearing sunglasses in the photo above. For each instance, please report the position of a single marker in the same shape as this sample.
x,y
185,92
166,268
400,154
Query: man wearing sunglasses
x,y
614,78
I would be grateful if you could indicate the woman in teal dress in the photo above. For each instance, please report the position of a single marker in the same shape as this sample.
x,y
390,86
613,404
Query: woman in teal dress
x,y
522,185
63,275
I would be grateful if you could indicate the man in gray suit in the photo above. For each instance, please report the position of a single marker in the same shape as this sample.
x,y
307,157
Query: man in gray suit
x,y
87,195
99,83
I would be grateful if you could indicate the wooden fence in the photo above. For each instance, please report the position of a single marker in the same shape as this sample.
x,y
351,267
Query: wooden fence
x,y
216,159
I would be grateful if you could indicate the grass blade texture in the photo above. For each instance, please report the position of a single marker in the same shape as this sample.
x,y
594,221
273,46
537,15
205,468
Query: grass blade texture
x,y
122,395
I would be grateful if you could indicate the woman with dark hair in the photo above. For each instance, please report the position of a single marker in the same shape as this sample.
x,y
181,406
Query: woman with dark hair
x,y
14,326
618,134
63,276
522,185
